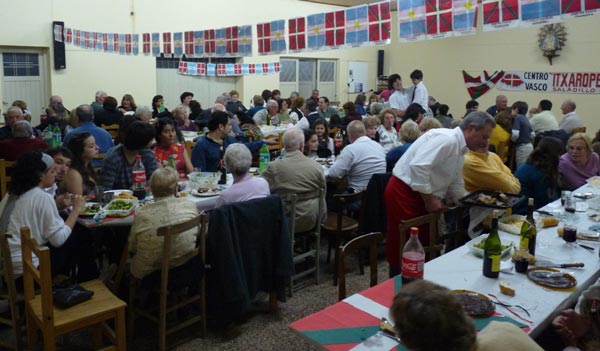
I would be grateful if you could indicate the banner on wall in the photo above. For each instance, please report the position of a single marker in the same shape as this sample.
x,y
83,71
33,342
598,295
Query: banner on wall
x,y
551,82
227,69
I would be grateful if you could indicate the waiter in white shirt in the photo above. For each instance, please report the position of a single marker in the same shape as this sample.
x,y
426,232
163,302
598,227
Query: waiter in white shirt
x,y
418,92
398,100
430,174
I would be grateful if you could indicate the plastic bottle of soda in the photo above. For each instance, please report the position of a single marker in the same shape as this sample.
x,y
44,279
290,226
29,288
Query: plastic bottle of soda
x,y
171,162
413,258
56,136
264,157
338,142
47,136
138,177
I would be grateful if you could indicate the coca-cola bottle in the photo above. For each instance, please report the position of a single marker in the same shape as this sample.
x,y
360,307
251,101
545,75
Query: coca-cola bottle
x,y
138,178
413,258
338,142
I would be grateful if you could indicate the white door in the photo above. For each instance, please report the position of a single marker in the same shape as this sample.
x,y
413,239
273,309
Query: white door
x,y
307,77
24,78
288,76
170,85
327,79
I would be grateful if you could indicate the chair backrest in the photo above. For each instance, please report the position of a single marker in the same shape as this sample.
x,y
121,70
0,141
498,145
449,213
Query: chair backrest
x,y
292,199
40,275
9,292
4,177
375,219
343,203
112,129
100,157
189,146
432,219
169,232
364,241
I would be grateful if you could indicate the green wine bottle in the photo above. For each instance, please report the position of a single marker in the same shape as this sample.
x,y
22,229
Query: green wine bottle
x,y
528,231
492,251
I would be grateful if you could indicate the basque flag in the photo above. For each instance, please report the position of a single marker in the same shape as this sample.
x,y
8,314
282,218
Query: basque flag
x,y
439,17
263,33
167,43
503,11
209,44
231,35
335,25
297,35
189,43
146,43
380,22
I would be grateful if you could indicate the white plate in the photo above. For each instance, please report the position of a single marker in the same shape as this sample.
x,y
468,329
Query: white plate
x,y
209,193
91,204
479,252
504,224
119,213
118,191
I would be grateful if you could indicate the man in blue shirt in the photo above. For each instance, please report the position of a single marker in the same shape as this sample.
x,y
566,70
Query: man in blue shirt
x,y
85,113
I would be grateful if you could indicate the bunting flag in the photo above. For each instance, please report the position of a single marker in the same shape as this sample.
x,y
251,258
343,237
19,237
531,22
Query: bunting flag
x,y
357,23
88,40
178,44
183,67
251,68
574,8
297,34
411,20
271,37
155,44
245,69
501,14
220,42
198,43
231,40
146,44
380,22
592,6
68,35
210,69
77,39
189,43
335,25
135,44
128,44
221,71
258,68
167,43
201,69
209,44
439,18
477,86
108,44
121,40
245,41
464,17
534,12
115,42
58,32
99,42
315,28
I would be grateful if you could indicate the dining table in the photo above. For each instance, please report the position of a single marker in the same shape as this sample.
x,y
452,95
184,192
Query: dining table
x,y
353,323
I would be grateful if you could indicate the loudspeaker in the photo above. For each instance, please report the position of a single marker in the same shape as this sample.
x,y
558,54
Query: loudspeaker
x,y
379,63
60,59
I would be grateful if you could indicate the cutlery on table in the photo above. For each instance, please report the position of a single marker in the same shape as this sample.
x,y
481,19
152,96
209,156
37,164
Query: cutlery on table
x,y
505,305
387,329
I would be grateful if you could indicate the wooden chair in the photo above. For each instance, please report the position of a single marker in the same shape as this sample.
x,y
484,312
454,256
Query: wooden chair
x,y
158,314
112,129
434,248
8,293
189,146
4,178
277,147
341,223
100,157
310,247
332,132
41,313
364,241
579,130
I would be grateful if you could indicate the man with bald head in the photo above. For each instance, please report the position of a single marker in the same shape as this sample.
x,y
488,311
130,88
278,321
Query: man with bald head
x,y
12,115
85,115
359,160
501,103
297,174
571,119
21,141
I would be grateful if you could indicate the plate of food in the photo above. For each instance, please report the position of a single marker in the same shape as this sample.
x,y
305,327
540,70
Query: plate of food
x,y
492,199
476,247
552,278
511,224
206,192
474,303
91,209
121,194
120,207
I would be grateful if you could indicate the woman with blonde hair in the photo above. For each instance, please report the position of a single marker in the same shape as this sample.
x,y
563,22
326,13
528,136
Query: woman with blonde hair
x,y
371,125
388,136
127,104
579,163
409,132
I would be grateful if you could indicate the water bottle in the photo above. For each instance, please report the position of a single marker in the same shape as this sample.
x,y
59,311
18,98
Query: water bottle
x,y
264,157
138,177
413,258
56,136
171,162
47,136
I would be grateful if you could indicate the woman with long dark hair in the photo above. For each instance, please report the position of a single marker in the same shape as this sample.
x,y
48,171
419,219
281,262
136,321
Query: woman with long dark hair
x,y
539,176
167,145
81,178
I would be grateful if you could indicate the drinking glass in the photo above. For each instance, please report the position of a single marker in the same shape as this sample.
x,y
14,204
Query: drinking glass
x,y
569,233
564,195
99,193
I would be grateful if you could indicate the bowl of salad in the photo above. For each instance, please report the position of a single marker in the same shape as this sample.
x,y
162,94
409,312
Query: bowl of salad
x,y
120,207
477,246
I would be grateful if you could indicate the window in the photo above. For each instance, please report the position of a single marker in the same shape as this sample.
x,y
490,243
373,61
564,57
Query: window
x,y
288,71
20,64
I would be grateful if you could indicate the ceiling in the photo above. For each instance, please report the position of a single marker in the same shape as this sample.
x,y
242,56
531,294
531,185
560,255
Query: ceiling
x,y
350,3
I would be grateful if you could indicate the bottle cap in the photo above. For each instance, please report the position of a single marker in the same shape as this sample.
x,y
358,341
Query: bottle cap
x,y
530,201
414,230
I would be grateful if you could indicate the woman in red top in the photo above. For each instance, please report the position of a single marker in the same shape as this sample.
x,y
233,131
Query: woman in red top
x,y
167,145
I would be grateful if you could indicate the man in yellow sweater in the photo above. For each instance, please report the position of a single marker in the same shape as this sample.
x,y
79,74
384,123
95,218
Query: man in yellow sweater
x,y
484,170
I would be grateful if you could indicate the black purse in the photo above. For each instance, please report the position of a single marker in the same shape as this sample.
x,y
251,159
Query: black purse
x,y
65,297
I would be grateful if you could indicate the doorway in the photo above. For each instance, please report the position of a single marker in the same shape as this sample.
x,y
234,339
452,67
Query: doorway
x,y
304,75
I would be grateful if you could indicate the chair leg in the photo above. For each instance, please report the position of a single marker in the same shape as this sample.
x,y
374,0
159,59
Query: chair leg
x,y
317,257
329,242
131,311
120,334
162,323
97,336
32,333
335,265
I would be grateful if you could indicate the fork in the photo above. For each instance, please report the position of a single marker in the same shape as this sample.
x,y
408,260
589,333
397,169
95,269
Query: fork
x,y
508,306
